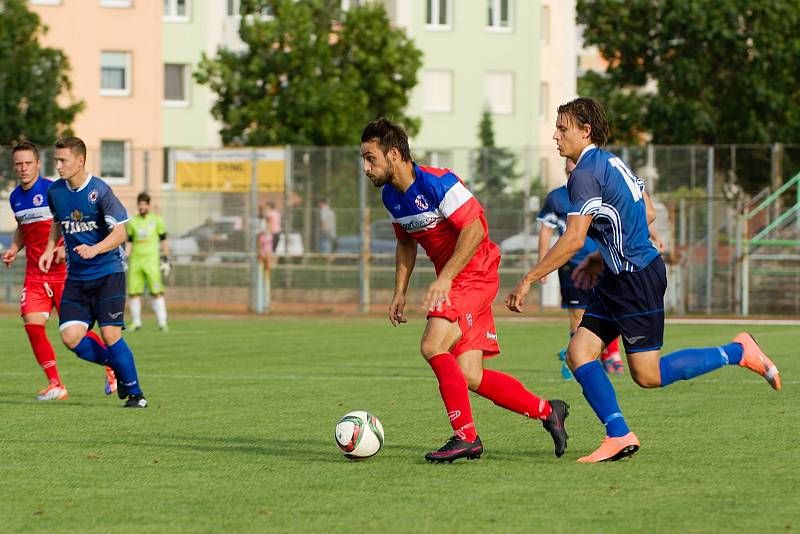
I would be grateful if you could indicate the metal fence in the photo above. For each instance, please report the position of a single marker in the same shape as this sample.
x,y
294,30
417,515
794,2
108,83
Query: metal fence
x,y
226,256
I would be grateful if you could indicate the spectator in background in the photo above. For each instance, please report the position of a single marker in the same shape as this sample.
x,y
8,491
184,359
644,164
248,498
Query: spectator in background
x,y
274,225
327,227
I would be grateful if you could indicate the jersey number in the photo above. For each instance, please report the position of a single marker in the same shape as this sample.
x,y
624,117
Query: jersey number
x,y
630,180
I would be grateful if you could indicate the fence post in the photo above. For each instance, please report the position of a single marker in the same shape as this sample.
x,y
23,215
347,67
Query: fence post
x,y
256,277
363,259
745,286
288,185
709,228
146,188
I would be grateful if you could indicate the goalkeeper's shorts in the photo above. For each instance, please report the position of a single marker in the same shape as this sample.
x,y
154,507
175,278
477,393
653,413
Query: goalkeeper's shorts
x,y
141,273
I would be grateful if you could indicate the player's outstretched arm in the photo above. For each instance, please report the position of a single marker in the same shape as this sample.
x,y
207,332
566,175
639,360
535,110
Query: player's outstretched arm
x,y
405,259
545,234
650,210
46,259
16,245
565,248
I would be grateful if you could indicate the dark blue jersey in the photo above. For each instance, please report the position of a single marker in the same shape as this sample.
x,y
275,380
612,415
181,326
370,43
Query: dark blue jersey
x,y
554,215
86,216
605,188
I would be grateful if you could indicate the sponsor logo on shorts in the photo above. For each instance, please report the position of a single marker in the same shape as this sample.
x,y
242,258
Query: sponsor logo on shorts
x,y
491,335
115,315
633,339
469,319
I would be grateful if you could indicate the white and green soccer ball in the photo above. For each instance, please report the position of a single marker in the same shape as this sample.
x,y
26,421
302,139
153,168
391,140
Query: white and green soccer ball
x,y
359,435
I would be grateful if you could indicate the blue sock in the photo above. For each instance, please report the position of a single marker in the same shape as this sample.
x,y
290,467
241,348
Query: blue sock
x,y
90,351
688,363
600,393
124,366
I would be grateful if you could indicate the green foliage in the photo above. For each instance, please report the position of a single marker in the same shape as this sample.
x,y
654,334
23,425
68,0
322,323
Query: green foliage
x,y
723,71
311,74
32,78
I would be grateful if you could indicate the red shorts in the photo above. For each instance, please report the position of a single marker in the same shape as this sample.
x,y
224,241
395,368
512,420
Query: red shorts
x,y
470,305
40,297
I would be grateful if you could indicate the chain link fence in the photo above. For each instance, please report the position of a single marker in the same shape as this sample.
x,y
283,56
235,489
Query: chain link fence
x,y
292,227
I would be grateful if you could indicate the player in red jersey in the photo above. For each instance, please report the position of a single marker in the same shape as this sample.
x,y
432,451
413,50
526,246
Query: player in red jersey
x,y
432,207
41,291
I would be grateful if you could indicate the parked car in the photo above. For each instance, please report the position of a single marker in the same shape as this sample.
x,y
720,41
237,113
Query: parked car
x,y
519,243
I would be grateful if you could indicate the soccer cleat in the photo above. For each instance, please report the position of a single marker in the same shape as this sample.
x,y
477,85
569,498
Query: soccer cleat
x,y
163,328
455,448
614,449
135,401
754,359
554,423
111,381
566,374
614,365
135,328
53,392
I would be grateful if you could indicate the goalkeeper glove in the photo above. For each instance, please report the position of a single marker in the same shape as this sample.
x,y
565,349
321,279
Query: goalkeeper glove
x,y
166,266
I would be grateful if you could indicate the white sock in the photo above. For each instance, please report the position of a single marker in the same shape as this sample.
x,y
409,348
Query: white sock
x,y
160,307
135,304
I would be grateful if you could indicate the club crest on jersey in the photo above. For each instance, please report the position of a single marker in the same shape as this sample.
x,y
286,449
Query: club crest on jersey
x,y
421,202
93,195
38,199
76,215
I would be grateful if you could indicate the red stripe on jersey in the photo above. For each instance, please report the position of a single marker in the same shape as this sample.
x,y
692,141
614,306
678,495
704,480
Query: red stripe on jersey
x,y
468,212
436,171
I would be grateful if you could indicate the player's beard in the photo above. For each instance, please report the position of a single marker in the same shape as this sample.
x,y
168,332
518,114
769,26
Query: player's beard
x,y
388,177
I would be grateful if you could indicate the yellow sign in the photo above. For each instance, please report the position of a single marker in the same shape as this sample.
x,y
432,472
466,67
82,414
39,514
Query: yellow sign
x,y
229,170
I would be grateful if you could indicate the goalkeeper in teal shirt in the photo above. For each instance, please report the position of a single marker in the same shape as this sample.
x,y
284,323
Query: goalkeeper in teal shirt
x,y
146,235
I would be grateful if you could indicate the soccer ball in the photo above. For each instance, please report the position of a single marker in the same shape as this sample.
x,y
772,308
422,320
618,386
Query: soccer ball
x,y
359,435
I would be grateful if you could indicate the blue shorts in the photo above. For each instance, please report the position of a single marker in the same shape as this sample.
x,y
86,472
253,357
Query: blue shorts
x,y
101,300
630,304
571,296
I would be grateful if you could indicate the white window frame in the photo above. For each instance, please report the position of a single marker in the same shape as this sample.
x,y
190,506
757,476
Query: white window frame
x,y
427,106
186,102
544,101
493,107
172,17
46,2
434,25
128,75
494,25
127,164
116,3
545,25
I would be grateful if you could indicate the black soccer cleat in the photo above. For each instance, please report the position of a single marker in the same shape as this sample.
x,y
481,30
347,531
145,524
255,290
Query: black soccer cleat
x,y
135,401
456,448
554,423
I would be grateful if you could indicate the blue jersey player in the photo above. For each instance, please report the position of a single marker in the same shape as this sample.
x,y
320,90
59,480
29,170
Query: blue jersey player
x,y
92,221
610,204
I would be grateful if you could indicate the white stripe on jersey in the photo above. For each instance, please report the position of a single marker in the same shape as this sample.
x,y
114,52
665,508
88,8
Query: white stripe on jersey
x,y
457,196
112,222
32,215
589,207
610,213
550,220
419,222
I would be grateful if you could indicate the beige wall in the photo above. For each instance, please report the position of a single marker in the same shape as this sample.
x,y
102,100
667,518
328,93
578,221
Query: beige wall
x,y
84,28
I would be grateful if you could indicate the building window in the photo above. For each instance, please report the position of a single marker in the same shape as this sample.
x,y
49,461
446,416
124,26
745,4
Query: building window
x,y
438,14
544,100
176,10
499,15
232,9
437,87
114,159
176,84
115,73
500,92
116,3
46,2
438,158
545,24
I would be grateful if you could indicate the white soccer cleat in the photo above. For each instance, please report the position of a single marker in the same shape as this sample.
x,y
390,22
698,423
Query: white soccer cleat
x,y
53,392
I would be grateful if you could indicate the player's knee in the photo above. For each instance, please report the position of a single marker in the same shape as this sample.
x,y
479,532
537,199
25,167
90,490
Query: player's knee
x,y
71,338
429,349
646,380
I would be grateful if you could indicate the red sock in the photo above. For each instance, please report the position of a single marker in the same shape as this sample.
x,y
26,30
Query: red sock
x,y
509,393
455,394
91,335
611,349
43,351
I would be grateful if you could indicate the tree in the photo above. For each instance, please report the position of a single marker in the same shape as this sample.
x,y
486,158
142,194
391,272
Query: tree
x,y
703,72
32,78
311,74
494,167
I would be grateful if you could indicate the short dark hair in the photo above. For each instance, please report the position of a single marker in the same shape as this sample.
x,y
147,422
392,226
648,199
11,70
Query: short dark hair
x,y
143,197
74,144
25,145
589,111
388,136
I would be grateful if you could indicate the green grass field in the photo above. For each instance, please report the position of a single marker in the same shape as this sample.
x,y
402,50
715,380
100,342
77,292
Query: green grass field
x,y
239,437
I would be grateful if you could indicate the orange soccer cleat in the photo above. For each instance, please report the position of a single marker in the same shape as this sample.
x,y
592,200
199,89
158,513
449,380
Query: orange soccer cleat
x,y
53,392
111,381
613,449
754,359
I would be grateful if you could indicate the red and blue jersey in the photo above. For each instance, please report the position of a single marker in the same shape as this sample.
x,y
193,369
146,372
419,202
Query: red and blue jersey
x,y
32,212
433,211
87,215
